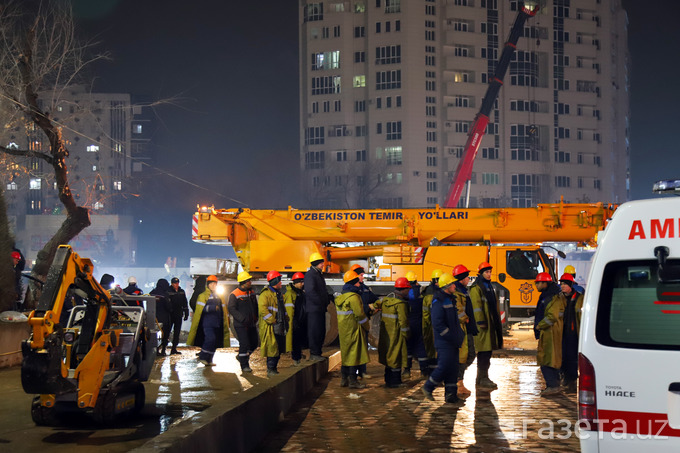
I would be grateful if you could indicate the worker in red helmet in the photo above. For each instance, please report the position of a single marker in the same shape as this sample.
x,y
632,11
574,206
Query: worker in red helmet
x,y
242,305
273,322
548,332
573,303
210,324
368,298
294,299
466,315
487,315
394,333
352,330
415,344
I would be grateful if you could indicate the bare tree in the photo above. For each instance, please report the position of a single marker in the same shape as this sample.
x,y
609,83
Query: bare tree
x,y
40,58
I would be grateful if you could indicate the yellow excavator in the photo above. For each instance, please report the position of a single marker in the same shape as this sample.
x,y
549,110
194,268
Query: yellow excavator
x,y
89,350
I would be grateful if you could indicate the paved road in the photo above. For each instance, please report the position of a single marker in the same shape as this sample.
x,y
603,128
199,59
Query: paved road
x,y
513,418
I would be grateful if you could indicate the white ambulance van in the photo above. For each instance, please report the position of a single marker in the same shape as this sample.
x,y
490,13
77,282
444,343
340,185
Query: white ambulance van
x,y
629,345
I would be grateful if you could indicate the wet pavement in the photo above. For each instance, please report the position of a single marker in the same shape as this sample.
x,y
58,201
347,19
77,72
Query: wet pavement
x,y
512,418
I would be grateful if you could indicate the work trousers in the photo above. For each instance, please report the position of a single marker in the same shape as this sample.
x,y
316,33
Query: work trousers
x,y
470,357
416,348
248,340
174,324
392,376
551,376
483,362
299,341
272,362
446,371
316,328
210,335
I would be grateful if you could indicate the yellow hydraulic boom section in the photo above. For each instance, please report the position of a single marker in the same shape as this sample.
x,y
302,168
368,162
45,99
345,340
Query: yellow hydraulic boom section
x,y
284,239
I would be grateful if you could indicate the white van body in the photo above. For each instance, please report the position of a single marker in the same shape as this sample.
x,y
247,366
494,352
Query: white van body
x,y
630,333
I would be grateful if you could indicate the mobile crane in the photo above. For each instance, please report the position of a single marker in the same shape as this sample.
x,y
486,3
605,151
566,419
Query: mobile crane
x,y
478,129
92,358
418,240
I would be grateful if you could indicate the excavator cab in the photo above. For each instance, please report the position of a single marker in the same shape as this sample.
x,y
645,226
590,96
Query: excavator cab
x,y
89,351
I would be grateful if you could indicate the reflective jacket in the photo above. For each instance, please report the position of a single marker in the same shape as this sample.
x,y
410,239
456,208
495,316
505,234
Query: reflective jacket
x,y
550,332
445,323
206,298
394,331
272,318
352,327
485,308
243,308
467,322
294,300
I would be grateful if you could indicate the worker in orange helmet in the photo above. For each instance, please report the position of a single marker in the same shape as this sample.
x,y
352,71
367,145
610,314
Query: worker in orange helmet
x,y
394,333
466,316
487,315
548,326
294,299
573,303
316,305
273,322
210,324
352,328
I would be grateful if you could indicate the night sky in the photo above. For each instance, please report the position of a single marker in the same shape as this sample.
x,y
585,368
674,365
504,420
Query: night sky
x,y
231,69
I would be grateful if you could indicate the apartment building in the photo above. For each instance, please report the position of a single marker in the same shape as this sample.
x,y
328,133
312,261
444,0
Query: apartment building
x,y
390,88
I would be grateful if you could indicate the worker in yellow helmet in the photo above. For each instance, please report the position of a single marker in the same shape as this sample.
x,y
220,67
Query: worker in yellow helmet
x,y
448,338
352,328
428,335
316,303
576,287
242,306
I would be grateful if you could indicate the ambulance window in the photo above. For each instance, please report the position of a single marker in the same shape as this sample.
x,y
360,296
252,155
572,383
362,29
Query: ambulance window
x,y
635,310
524,264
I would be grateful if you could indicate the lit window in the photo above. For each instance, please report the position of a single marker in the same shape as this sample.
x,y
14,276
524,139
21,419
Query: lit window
x,y
98,205
117,185
92,148
137,128
94,168
12,186
35,184
359,81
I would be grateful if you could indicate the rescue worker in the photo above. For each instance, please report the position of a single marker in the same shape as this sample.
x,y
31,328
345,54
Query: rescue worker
x,y
162,311
18,264
428,334
394,333
294,300
548,332
368,298
467,323
273,322
133,290
572,270
352,329
210,324
317,300
448,338
242,305
573,303
179,309
414,344
490,336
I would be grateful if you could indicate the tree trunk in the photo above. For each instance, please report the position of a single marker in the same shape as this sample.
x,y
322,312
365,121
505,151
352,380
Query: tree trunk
x,y
7,293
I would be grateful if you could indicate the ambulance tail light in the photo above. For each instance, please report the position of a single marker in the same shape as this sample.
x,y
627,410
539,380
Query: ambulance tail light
x,y
587,400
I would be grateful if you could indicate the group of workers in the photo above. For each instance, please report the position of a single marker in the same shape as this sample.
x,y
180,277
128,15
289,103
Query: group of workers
x,y
445,326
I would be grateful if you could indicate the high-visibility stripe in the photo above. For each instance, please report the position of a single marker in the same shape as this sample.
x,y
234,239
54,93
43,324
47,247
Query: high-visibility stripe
x,y
448,306
200,303
349,312
405,329
477,310
391,316
290,305
267,316
461,315
363,320
444,332
426,309
548,322
272,309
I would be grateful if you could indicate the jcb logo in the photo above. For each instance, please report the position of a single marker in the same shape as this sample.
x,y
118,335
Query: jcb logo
x,y
525,290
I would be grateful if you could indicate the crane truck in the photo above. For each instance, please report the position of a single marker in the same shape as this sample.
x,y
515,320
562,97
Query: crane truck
x,y
417,240
478,128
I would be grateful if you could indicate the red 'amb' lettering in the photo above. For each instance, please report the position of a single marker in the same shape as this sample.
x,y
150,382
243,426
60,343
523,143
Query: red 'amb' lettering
x,y
657,229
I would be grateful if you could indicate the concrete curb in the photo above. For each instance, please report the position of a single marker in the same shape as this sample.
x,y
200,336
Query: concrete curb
x,y
240,424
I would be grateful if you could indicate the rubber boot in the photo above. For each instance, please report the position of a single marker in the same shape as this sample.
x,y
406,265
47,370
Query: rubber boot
x,y
354,383
483,382
462,391
453,400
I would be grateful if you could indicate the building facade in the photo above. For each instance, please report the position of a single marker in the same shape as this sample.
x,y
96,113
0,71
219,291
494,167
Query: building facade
x,y
390,88
108,139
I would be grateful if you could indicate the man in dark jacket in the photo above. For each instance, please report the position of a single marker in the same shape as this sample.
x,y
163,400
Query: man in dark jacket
x,y
162,311
448,338
242,306
316,305
179,309
133,290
